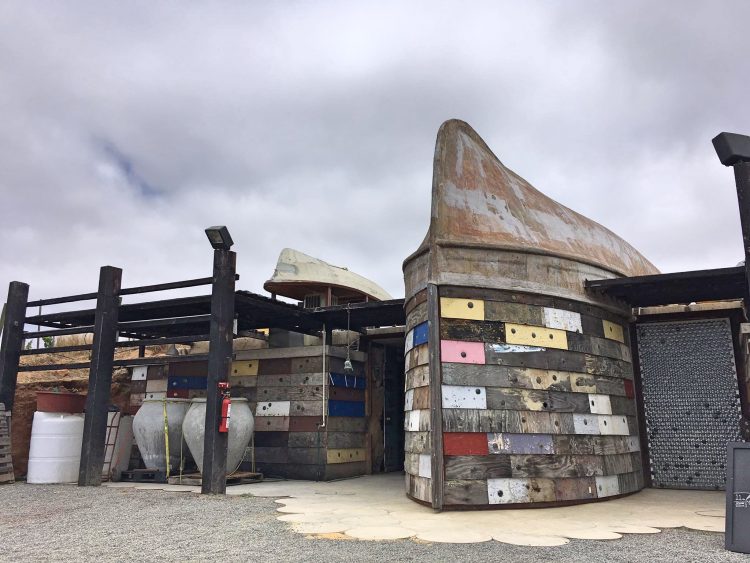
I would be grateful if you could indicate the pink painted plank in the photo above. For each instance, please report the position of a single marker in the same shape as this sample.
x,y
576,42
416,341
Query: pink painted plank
x,y
462,352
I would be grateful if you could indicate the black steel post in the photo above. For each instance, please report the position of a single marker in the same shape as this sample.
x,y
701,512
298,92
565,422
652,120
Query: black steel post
x,y
219,364
11,341
100,377
742,179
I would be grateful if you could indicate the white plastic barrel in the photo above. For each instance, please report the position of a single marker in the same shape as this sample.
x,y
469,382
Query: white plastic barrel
x,y
55,451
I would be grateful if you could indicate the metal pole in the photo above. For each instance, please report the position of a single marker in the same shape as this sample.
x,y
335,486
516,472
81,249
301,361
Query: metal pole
x,y
100,377
11,341
742,179
219,363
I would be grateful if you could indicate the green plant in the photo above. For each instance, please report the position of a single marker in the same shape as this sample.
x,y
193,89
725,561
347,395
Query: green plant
x,y
49,341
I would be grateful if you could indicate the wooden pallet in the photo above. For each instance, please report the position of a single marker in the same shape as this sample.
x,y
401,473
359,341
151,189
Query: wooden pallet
x,y
238,478
143,476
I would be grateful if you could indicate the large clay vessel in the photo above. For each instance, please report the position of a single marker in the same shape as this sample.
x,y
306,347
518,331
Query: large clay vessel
x,y
241,425
148,430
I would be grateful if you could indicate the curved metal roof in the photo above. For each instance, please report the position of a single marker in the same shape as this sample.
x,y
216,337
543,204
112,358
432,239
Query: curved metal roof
x,y
477,201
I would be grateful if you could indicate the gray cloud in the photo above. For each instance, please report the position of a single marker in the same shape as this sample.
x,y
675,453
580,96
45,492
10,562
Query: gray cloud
x,y
128,128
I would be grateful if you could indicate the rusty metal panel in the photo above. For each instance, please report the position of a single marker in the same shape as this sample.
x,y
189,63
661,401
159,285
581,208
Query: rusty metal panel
x,y
562,319
536,336
477,200
464,397
613,331
454,308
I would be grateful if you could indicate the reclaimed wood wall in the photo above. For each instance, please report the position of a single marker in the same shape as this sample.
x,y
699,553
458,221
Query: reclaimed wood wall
x,y
537,401
285,388
417,428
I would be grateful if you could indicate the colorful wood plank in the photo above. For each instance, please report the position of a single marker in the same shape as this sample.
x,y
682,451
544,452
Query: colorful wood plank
x,y
456,308
613,331
562,319
464,397
536,336
462,352
465,443
505,443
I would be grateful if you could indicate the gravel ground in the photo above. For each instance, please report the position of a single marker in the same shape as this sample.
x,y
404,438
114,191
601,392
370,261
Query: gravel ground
x,y
62,522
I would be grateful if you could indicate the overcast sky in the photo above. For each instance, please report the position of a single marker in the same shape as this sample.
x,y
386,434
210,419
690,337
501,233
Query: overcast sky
x,y
127,128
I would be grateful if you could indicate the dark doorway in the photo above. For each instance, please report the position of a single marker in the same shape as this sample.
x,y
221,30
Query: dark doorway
x,y
386,424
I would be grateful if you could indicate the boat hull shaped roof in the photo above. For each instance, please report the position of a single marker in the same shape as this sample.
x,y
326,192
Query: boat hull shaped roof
x,y
298,274
478,202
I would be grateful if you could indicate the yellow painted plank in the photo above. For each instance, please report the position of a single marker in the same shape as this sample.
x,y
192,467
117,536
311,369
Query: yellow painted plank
x,y
613,331
453,308
348,455
536,336
242,368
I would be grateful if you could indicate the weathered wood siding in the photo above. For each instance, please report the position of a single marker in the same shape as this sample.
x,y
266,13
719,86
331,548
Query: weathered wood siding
x,y
289,393
537,401
418,438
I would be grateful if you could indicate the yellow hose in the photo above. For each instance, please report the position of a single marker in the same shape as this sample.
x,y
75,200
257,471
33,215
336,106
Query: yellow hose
x,y
166,433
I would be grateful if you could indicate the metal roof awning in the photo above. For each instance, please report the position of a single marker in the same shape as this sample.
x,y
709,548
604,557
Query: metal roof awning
x,y
362,315
187,316
675,288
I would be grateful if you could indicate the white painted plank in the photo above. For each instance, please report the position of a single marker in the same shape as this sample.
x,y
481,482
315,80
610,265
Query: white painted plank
x,y
464,397
620,425
586,424
600,404
564,320
409,341
409,400
425,465
607,485
507,490
139,373
273,408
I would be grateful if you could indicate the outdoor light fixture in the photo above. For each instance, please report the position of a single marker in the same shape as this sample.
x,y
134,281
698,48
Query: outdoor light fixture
x,y
219,237
732,148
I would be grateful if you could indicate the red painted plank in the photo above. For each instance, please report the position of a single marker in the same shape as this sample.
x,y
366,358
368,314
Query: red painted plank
x,y
465,443
629,392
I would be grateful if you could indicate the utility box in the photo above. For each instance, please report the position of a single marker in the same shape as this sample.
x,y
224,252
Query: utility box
x,y
737,533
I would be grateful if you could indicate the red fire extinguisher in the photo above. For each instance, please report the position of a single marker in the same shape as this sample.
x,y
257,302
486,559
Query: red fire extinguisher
x,y
226,407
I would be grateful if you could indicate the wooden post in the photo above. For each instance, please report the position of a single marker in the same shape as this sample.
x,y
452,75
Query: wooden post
x,y
100,377
742,179
11,341
219,364
436,396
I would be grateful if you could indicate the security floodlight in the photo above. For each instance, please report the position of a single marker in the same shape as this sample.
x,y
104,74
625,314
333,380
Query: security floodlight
x,y
732,148
219,237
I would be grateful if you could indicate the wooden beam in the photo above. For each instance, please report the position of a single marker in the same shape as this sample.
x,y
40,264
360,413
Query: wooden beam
x,y
219,365
11,341
436,396
100,377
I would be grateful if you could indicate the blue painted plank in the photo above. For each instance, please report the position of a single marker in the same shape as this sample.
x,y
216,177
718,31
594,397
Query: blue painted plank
x,y
420,333
346,408
177,382
197,382
344,380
